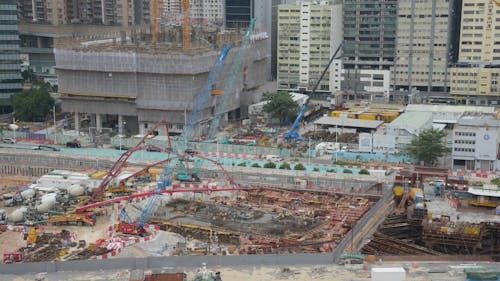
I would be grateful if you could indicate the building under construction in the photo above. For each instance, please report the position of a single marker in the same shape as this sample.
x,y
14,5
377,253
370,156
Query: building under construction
x,y
130,83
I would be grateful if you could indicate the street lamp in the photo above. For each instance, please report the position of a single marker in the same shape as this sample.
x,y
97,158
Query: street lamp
x,y
55,125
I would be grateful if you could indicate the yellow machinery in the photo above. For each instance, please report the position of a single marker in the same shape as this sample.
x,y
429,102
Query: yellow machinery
x,y
121,189
32,236
98,175
78,219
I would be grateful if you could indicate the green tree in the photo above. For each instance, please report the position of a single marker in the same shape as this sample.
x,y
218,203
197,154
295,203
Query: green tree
x,y
32,105
242,164
299,167
428,146
285,166
256,165
270,165
347,171
364,172
315,169
280,105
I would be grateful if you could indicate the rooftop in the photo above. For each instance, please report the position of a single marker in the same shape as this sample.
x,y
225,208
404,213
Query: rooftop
x,y
480,119
411,121
348,122
449,108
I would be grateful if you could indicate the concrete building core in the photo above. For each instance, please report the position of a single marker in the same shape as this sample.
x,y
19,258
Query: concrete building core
x,y
131,86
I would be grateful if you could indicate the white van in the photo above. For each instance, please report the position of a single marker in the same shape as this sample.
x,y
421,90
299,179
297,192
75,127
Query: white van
x,y
273,158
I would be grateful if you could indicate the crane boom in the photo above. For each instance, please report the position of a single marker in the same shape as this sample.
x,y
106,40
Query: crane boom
x,y
229,86
117,167
202,99
292,134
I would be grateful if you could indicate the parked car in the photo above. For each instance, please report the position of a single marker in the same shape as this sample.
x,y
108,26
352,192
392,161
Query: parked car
x,y
153,149
9,140
74,143
46,148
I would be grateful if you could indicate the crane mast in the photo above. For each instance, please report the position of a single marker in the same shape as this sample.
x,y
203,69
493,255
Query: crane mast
x,y
229,86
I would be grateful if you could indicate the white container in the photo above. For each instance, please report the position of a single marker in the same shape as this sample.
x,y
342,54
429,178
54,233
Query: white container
x,y
76,190
47,203
388,274
17,215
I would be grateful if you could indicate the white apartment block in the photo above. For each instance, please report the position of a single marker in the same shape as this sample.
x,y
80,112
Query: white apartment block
x,y
423,45
304,45
476,141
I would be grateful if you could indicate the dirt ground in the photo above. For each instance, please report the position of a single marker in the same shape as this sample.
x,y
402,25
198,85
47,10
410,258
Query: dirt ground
x,y
12,183
11,241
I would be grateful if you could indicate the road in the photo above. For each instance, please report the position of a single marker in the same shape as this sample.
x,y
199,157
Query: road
x,y
157,156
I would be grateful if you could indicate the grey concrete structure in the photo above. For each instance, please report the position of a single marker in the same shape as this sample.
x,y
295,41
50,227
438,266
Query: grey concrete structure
x,y
148,86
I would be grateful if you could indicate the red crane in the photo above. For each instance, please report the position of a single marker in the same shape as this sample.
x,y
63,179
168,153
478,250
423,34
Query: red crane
x,y
118,166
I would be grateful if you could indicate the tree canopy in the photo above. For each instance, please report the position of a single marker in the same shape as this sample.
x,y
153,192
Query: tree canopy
x,y
428,146
32,105
280,105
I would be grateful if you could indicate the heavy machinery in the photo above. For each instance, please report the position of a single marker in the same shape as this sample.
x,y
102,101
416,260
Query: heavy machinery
x,y
76,219
117,167
292,134
130,229
236,68
438,188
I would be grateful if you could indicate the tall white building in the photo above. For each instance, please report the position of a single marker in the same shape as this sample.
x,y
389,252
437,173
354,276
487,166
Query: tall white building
x,y
476,141
425,33
304,45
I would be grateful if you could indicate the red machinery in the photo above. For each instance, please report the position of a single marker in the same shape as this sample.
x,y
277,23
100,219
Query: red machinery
x,y
120,163
130,229
12,257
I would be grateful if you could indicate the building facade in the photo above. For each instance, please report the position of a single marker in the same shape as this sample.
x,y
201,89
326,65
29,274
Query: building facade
x,y
476,142
107,12
115,85
238,13
426,40
369,44
10,76
202,12
303,46
476,76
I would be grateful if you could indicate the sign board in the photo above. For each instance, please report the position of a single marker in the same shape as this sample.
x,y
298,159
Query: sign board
x,y
25,59
486,144
365,142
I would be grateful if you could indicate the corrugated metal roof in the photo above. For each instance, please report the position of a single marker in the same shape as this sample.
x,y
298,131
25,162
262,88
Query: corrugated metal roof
x,y
411,121
449,108
348,122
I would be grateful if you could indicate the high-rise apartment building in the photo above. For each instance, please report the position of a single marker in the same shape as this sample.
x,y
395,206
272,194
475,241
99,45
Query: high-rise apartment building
x,y
369,45
303,45
426,39
10,76
476,76
107,12
202,12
